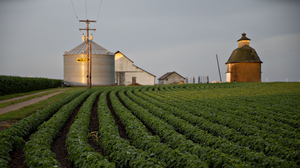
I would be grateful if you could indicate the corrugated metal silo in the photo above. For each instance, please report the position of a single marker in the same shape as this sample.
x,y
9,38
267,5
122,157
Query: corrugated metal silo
x,y
103,66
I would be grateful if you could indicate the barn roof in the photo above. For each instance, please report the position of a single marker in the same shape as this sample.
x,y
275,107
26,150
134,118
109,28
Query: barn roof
x,y
144,70
244,54
124,56
81,49
133,64
168,74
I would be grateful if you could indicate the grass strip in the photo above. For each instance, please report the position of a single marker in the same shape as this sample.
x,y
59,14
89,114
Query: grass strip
x,y
25,99
25,111
10,96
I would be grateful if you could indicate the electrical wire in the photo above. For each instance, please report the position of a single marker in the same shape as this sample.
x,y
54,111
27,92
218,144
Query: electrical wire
x,y
74,10
99,10
98,13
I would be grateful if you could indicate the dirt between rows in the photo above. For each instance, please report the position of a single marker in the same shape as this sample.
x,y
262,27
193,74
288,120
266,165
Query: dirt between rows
x,y
94,127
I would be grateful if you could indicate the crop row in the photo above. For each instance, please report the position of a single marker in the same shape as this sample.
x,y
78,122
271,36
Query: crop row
x,y
80,153
216,115
263,108
202,137
38,149
144,140
190,130
214,158
254,112
255,143
119,150
12,137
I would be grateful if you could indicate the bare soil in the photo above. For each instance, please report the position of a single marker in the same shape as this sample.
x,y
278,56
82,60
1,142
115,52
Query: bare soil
x,y
59,144
121,128
18,157
94,127
5,124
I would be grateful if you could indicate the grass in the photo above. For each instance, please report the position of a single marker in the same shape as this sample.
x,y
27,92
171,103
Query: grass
x,y
25,111
26,98
10,96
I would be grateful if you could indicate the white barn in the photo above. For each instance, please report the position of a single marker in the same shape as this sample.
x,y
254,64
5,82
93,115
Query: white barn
x,y
171,78
126,73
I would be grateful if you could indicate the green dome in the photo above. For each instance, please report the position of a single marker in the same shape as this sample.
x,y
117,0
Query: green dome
x,y
243,54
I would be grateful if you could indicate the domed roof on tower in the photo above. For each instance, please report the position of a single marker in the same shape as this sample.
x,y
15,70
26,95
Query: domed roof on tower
x,y
244,53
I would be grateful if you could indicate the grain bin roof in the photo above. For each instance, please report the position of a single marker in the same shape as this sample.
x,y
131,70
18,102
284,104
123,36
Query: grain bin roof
x,y
244,54
81,49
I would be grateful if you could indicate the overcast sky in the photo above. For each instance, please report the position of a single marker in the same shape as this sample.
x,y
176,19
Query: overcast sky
x,y
157,35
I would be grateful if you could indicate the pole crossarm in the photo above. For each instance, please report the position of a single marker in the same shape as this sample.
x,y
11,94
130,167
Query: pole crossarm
x,y
87,29
87,20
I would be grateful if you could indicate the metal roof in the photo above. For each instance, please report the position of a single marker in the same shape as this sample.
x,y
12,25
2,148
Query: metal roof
x,y
133,64
81,49
244,54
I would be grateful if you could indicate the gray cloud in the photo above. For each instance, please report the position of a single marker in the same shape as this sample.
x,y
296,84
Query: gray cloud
x,y
159,36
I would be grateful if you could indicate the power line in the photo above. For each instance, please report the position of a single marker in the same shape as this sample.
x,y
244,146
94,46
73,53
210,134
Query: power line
x,y
99,10
74,10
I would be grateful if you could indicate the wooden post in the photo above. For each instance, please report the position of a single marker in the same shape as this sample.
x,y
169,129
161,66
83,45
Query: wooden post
x,y
219,69
90,54
88,80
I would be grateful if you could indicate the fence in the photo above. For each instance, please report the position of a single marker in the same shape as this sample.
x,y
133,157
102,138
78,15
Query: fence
x,y
201,79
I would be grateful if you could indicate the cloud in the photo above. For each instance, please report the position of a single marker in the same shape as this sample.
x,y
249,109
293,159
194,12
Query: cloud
x,y
280,56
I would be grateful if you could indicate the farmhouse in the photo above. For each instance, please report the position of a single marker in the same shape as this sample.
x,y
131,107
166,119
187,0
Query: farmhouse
x,y
127,73
171,78
244,64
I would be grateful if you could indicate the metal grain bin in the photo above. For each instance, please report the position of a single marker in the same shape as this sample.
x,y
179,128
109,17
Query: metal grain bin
x,y
103,66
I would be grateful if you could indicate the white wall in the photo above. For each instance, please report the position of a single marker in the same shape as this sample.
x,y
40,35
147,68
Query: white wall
x,y
173,78
122,64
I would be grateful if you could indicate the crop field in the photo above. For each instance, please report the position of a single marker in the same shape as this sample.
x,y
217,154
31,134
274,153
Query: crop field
x,y
186,125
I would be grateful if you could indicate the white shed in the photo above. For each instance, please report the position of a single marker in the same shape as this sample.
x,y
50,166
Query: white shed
x,y
126,73
171,78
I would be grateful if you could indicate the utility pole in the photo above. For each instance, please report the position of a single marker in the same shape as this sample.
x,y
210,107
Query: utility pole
x,y
88,54
90,65
219,68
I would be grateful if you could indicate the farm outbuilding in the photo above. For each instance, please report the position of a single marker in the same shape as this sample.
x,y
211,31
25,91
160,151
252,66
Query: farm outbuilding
x,y
171,78
75,66
126,73
243,65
